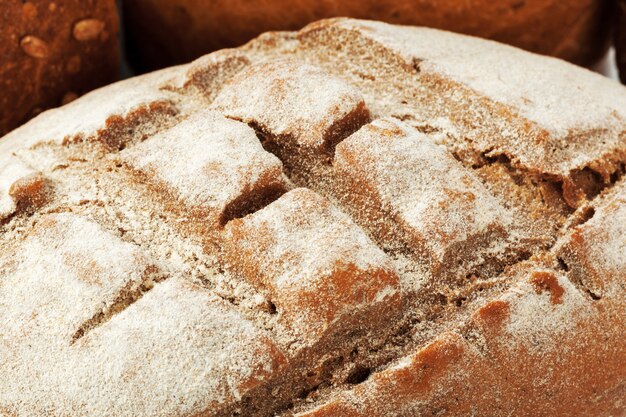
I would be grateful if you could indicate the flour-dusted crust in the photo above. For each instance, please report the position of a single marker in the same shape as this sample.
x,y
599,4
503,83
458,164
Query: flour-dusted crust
x,y
356,219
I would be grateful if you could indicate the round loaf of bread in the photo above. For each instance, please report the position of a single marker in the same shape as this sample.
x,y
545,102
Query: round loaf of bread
x,y
167,32
357,219
51,52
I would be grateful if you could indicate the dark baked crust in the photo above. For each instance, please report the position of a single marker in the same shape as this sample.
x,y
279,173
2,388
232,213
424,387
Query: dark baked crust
x,y
167,32
620,38
53,51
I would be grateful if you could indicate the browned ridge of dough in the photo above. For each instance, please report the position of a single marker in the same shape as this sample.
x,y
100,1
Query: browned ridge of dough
x,y
356,219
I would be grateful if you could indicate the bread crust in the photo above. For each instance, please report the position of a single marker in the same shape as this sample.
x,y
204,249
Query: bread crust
x,y
52,52
354,219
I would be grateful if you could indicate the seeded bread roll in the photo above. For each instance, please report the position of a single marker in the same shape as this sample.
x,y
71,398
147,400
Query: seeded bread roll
x,y
167,32
51,52
356,219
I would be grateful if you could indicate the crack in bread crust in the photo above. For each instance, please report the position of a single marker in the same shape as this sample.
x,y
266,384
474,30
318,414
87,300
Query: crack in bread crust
x,y
355,219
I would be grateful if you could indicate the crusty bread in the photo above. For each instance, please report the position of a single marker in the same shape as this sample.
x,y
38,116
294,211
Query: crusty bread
x,y
356,219
52,52
166,32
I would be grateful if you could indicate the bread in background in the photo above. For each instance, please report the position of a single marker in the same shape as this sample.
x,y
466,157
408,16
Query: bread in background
x,y
53,51
166,32
620,39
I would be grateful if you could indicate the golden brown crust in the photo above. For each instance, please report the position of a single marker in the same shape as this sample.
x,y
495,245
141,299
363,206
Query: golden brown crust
x,y
53,51
164,32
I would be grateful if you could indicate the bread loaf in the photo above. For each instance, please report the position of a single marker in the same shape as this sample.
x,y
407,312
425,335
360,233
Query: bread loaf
x,y
357,219
52,52
166,32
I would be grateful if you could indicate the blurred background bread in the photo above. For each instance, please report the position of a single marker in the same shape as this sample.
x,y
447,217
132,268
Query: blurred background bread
x,y
53,51
166,32
620,39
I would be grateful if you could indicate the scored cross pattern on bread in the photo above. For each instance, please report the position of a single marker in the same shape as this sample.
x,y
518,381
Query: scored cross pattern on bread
x,y
334,110
356,219
212,166
70,272
278,248
418,196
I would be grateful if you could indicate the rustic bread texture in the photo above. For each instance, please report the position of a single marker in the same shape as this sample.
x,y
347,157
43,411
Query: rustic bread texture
x,y
51,52
355,219
166,32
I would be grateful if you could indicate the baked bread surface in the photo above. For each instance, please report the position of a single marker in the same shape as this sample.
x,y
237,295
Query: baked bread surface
x,y
52,52
355,219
